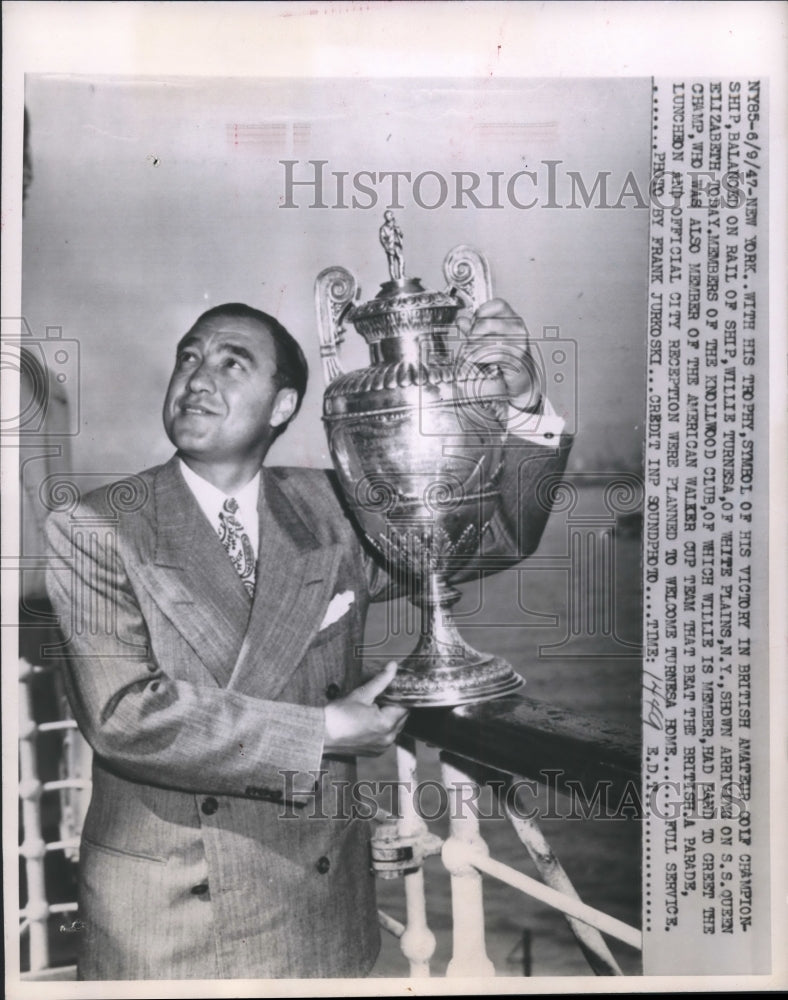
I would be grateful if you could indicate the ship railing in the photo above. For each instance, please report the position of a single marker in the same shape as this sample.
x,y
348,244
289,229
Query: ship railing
x,y
72,789
497,743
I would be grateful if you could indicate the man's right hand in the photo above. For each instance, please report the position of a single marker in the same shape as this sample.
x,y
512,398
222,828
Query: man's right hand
x,y
356,725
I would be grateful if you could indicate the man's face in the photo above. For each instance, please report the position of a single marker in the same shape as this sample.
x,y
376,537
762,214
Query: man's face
x,y
222,403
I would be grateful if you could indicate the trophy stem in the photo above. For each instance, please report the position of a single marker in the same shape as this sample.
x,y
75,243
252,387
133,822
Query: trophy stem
x,y
444,669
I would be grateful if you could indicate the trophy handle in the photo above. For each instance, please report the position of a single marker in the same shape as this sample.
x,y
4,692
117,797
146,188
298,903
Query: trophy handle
x,y
468,274
335,289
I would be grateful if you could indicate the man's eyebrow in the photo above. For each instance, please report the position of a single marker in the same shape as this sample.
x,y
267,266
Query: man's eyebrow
x,y
237,350
184,342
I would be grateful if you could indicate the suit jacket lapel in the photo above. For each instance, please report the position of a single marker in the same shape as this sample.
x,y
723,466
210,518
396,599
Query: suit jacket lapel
x,y
295,580
194,582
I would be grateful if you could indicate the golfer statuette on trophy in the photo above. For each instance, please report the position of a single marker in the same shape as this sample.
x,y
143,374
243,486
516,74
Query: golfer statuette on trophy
x,y
416,439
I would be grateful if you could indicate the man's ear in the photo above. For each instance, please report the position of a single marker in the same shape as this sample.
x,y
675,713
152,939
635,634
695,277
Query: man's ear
x,y
284,406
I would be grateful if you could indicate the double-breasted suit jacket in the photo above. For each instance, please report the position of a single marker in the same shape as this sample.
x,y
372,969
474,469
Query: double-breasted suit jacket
x,y
209,849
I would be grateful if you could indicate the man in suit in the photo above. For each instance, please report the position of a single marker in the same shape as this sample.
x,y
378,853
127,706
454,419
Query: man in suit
x,y
213,608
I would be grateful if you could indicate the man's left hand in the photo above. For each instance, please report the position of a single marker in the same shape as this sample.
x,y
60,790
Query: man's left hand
x,y
496,336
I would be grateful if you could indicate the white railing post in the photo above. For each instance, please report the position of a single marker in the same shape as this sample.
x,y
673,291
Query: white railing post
x,y
32,847
469,953
417,941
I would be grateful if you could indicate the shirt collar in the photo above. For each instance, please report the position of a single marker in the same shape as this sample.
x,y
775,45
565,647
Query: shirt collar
x,y
211,500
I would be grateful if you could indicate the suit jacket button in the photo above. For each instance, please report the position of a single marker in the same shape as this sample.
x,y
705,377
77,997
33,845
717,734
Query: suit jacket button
x,y
210,805
333,691
323,864
200,890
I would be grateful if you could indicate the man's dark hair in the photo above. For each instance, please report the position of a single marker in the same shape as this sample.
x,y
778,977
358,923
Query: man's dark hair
x,y
292,370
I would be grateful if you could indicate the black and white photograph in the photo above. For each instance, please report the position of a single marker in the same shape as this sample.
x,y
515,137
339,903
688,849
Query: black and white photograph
x,y
387,539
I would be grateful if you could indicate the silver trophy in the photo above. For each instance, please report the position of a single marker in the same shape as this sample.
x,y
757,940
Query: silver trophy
x,y
416,439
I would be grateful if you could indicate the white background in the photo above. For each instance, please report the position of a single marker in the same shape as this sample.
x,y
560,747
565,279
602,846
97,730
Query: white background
x,y
464,40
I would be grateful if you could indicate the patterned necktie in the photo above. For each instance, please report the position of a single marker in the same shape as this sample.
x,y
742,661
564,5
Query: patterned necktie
x,y
236,542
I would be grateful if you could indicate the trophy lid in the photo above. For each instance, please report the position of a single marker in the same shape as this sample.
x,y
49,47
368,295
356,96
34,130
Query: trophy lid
x,y
403,307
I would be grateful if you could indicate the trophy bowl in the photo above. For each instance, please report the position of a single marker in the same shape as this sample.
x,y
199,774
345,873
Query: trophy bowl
x,y
416,439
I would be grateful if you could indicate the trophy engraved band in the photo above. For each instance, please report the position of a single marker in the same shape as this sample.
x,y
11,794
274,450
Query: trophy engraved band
x,y
416,439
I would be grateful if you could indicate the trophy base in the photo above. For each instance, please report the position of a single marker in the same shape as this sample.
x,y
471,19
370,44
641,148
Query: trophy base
x,y
444,681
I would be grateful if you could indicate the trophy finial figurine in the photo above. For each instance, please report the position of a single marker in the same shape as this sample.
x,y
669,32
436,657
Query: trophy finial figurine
x,y
391,241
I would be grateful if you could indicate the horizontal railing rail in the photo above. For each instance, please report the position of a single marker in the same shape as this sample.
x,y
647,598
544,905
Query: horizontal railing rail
x,y
531,739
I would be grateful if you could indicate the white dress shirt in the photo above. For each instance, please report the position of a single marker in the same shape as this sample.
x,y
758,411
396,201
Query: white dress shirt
x,y
212,499
543,428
